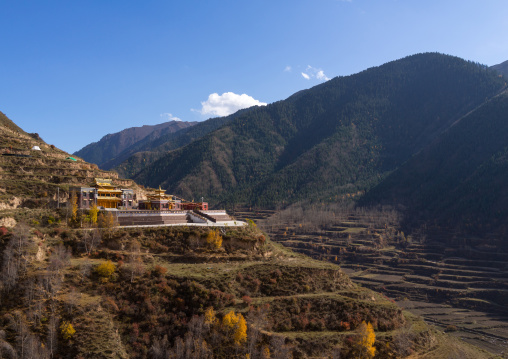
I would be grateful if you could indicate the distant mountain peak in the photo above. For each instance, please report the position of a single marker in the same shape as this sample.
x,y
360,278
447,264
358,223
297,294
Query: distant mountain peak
x,y
111,145
502,68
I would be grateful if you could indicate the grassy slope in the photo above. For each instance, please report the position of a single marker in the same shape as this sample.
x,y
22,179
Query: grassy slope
x,y
6,122
33,181
123,318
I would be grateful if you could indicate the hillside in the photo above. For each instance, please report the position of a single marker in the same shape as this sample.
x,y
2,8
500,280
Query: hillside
x,y
148,150
7,123
170,292
339,138
69,289
501,68
113,145
30,178
459,181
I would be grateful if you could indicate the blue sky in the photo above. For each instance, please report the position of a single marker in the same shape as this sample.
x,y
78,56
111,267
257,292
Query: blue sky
x,y
74,71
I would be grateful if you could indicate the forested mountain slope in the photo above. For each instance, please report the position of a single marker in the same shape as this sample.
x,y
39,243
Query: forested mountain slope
x,y
501,68
337,138
151,148
460,180
114,144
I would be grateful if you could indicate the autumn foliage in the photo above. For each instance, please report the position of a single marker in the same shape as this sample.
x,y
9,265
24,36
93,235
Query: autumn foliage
x,y
67,330
236,324
214,239
105,270
364,346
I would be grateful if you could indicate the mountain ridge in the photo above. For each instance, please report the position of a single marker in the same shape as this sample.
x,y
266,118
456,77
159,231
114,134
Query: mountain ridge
x,y
339,137
111,145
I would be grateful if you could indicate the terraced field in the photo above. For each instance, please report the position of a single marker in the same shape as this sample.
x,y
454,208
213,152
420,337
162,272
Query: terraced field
x,y
32,178
462,287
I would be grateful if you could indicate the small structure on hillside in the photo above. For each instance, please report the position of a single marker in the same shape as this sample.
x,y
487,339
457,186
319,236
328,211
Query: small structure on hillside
x,y
36,148
159,209
104,194
160,201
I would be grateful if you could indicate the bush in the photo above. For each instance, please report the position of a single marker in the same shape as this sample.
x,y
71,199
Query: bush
x,y
159,271
105,270
67,330
451,328
247,300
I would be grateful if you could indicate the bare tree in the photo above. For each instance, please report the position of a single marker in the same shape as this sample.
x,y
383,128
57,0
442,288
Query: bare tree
x,y
59,258
15,256
91,240
136,266
52,338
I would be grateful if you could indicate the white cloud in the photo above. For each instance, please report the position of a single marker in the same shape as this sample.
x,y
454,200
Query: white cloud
x,y
314,73
227,103
169,117
288,69
321,76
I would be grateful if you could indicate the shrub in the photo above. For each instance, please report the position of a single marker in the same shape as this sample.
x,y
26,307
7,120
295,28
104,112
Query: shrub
x,y
451,328
105,270
159,271
247,300
3,231
67,330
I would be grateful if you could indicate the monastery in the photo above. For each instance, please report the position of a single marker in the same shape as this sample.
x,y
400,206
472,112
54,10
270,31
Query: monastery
x,y
159,209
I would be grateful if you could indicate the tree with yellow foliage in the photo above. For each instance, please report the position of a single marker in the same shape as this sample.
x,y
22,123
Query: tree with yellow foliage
x,y
214,239
265,353
67,330
105,270
210,317
94,211
236,324
240,335
73,205
107,222
364,347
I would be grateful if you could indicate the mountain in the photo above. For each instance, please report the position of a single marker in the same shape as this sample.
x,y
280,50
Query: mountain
x,y
114,144
33,178
501,68
337,139
7,123
151,148
459,181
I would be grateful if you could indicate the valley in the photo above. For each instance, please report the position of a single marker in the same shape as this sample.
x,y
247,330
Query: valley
x,y
460,288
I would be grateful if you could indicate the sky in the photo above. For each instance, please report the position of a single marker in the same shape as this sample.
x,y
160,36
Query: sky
x,y
74,71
